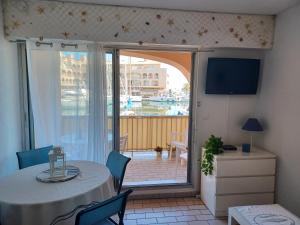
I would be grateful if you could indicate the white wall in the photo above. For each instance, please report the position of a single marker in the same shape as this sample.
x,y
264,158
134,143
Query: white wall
x,y
222,115
279,106
10,136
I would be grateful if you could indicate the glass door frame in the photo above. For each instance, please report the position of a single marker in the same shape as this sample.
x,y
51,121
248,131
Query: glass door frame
x,y
115,97
115,50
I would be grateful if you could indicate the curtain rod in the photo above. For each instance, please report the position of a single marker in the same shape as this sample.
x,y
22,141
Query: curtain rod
x,y
63,45
39,43
70,45
126,47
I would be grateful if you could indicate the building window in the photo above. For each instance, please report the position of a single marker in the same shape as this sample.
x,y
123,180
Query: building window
x,y
155,83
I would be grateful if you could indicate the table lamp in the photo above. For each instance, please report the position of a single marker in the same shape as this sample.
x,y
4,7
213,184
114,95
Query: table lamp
x,y
252,125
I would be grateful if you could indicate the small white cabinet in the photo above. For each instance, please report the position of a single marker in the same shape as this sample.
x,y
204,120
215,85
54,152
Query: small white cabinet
x,y
239,179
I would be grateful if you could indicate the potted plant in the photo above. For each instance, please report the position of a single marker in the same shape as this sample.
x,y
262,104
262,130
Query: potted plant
x,y
213,146
158,152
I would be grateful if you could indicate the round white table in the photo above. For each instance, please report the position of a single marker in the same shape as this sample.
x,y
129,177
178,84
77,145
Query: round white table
x,y
26,201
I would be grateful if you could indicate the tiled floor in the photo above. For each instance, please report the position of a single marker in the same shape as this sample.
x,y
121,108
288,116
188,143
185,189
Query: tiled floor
x,y
146,168
170,211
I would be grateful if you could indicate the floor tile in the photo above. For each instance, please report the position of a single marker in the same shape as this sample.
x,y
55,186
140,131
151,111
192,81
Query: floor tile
x,y
186,218
179,223
143,210
135,216
205,217
192,212
170,211
130,222
198,222
174,213
147,221
155,215
167,219
196,207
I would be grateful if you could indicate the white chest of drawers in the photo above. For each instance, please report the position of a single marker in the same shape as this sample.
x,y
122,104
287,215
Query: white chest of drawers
x,y
239,179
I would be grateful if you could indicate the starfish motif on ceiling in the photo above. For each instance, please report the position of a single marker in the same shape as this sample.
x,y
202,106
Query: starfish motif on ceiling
x,y
40,10
125,28
16,24
170,22
66,34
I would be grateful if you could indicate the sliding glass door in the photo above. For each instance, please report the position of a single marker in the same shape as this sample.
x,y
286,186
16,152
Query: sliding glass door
x,y
154,114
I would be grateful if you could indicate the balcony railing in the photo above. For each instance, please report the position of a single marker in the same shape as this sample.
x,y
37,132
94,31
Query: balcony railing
x,y
144,132
148,132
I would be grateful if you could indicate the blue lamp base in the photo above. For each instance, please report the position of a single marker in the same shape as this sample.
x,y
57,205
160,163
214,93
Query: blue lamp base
x,y
246,148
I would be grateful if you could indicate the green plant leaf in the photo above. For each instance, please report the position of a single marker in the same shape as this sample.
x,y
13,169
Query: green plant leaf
x,y
212,147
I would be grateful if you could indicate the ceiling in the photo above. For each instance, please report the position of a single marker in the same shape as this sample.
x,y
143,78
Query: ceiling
x,y
268,7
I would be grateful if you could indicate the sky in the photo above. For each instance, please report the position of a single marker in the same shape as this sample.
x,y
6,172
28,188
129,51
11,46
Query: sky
x,y
175,78
76,55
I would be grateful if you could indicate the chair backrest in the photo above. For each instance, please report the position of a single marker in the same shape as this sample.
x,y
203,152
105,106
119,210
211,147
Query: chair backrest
x,y
33,157
123,142
104,210
182,137
117,164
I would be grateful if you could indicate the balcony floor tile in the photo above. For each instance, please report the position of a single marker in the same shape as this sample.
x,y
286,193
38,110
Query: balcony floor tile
x,y
145,168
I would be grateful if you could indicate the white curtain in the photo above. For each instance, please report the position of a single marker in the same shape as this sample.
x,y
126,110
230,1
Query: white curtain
x,y
68,97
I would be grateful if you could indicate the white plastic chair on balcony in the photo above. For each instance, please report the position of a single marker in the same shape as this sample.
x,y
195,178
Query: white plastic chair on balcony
x,y
123,143
181,155
181,147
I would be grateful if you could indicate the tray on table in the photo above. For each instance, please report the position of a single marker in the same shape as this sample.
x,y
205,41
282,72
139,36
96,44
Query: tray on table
x,y
71,173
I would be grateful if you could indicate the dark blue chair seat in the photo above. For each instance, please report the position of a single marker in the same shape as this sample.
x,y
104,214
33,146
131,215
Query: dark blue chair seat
x,y
101,213
33,157
117,164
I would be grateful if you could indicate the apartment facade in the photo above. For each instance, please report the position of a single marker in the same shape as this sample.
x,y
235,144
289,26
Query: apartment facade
x,y
142,78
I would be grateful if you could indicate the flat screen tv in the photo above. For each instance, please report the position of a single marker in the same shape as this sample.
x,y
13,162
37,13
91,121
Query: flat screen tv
x,y
232,76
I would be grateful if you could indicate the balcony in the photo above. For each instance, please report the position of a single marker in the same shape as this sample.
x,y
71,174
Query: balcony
x,y
145,133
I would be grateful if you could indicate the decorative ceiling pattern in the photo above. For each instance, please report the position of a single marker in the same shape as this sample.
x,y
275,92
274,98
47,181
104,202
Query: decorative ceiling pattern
x,y
99,23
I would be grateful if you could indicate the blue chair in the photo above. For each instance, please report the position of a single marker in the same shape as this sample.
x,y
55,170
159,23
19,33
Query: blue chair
x,y
100,213
33,157
117,164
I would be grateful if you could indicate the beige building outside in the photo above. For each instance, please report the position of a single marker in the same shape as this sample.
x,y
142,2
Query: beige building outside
x,y
73,71
140,77
143,77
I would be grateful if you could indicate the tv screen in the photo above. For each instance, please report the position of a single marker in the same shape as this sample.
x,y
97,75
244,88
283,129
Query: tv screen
x,y
232,76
